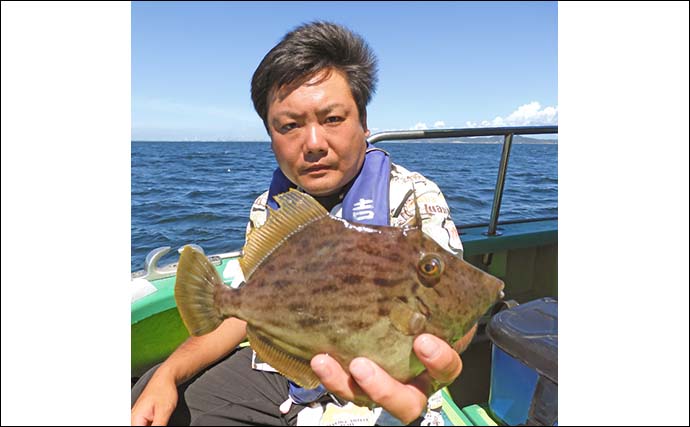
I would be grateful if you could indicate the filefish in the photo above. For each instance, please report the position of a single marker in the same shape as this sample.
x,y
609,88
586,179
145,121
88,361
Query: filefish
x,y
316,284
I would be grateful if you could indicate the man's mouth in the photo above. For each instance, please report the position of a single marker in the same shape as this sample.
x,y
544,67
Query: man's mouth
x,y
316,168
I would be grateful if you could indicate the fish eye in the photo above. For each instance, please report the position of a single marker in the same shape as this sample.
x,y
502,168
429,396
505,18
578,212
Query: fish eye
x,y
430,268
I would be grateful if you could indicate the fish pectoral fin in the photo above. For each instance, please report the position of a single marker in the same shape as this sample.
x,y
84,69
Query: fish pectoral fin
x,y
405,319
293,367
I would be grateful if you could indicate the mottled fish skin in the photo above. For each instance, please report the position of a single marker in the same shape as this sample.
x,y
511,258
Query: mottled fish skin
x,y
330,287
354,290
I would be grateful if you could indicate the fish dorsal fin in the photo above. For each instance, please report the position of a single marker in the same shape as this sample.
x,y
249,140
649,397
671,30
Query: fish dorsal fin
x,y
297,210
417,214
294,368
416,220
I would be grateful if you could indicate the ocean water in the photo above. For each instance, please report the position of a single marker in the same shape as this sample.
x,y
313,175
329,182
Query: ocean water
x,y
201,192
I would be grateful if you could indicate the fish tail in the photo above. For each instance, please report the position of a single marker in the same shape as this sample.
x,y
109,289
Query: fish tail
x,y
197,288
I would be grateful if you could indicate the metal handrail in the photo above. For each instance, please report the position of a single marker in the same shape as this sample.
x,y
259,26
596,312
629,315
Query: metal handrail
x,y
507,133
399,135
462,227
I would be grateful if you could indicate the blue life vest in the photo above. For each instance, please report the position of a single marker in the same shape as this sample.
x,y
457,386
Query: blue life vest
x,y
366,201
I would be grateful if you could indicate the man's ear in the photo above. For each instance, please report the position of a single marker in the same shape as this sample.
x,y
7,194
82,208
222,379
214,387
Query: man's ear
x,y
367,132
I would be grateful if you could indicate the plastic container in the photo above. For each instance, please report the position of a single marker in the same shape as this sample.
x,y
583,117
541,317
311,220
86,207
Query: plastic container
x,y
524,368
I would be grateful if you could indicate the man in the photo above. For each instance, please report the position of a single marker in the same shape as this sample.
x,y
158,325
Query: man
x,y
311,91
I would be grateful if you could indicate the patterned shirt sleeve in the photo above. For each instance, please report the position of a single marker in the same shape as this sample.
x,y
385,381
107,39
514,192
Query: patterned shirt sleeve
x,y
257,214
436,220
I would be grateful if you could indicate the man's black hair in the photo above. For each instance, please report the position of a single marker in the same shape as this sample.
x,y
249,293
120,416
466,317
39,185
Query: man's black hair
x,y
309,49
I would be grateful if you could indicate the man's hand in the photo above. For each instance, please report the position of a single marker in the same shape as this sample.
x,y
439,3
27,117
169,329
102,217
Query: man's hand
x,y
370,385
156,403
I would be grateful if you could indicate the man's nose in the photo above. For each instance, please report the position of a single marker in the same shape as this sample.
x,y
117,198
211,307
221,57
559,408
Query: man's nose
x,y
316,142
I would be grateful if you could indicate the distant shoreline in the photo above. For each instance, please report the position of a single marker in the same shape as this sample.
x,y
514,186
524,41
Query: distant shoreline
x,y
545,142
549,142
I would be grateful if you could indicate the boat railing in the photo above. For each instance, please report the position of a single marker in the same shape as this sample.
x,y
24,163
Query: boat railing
x,y
506,132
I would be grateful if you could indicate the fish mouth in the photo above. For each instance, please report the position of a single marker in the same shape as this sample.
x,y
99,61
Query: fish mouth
x,y
500,288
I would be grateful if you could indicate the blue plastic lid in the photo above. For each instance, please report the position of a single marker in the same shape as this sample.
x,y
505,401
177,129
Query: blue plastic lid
x,y
529,333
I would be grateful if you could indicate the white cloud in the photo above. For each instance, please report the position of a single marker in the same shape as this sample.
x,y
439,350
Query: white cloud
x,y
423,126
526,115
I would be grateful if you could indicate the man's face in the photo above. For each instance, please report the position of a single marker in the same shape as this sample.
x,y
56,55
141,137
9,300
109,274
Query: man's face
x,y
316,135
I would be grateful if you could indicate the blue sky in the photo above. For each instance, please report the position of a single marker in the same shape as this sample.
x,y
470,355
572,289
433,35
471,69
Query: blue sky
x,y
441,64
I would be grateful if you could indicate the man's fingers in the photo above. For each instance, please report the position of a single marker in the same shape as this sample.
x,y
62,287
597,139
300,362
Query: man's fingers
x,y
160,419
443,364
139,420
151,416
405,402
367,382
334,377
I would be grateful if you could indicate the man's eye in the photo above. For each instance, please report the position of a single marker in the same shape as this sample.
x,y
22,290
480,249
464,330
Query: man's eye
x,y
334,119
288,127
